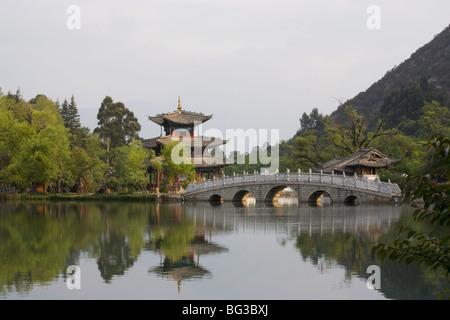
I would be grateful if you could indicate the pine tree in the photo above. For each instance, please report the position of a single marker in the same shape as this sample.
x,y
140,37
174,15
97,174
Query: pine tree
x,y
71,117
74,117
64,111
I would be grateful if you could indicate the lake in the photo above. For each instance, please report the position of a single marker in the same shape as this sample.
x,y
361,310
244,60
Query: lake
x,y
155,251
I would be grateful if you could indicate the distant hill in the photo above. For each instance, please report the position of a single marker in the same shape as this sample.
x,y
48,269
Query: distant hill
x,y
431,61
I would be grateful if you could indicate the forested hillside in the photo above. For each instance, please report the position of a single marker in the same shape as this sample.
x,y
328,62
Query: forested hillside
x,y
396,115
430,62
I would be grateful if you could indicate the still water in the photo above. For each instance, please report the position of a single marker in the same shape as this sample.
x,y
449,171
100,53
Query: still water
x,y
203,251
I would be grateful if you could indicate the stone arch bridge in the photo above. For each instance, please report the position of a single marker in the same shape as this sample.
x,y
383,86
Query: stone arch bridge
x,y
308,187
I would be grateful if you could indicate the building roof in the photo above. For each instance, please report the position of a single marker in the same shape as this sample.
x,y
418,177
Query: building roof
x,y
369,157
202,141
180,116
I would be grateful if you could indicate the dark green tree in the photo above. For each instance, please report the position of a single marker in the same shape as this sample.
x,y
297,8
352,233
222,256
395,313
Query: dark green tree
x,y
70,115
117,125
314,121
402,107
324,139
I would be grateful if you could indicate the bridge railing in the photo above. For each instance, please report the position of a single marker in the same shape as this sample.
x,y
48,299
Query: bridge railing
x,y
354,181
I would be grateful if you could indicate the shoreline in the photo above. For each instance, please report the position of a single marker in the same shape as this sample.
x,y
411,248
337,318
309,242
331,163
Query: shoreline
x,y
144,197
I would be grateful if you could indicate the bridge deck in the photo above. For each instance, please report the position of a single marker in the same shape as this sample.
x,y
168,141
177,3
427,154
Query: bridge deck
x,y
353,184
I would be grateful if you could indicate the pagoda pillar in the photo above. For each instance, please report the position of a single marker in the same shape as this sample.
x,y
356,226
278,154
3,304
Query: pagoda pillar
x,y
157,178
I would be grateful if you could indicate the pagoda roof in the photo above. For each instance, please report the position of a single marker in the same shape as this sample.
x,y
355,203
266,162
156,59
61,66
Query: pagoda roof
x,y
202,141
369,157
180,116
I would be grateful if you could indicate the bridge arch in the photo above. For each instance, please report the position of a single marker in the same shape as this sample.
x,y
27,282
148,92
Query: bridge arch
x,y
352,199
274,193
242,195
321,196
215,199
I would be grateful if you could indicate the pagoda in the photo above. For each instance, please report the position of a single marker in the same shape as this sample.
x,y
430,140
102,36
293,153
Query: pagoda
x,y
180,125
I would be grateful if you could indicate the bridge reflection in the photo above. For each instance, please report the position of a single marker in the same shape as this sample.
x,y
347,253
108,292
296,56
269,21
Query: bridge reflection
x,y
293,219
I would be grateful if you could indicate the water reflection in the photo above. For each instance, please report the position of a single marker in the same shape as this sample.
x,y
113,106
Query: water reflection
x,y
175,238
39,240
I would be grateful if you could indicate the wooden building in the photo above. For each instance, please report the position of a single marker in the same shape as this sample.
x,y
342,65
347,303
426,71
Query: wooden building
x,y
364,162
181,125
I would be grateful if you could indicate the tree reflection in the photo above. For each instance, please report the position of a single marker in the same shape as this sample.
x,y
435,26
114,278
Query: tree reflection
x,y
351,249
115,256
180,245
39,240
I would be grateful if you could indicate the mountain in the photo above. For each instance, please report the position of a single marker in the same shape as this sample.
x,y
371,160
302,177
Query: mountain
x,y
431,61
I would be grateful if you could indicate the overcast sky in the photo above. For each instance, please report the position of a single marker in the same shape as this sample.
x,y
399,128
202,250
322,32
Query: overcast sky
x,y
253,64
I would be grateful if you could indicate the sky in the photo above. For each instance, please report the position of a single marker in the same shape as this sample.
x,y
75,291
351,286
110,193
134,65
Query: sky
x,y
252,64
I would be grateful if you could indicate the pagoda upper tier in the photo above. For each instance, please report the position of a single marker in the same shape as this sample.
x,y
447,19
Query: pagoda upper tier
x,y
179,119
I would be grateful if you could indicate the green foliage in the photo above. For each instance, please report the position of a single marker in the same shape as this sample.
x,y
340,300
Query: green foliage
x,y
35,146
45,157
308,151
429,195
404,106
406,148
36,248
321,139
117,125
129,165
71,117
434,120
176,159
314,122
45,113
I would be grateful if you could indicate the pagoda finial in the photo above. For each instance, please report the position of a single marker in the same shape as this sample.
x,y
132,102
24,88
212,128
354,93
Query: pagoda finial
x,y
179,103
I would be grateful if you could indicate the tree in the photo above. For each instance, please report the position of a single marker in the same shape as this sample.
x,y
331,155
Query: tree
x,y
129,167
92,145
324,139
307,151
35,147
314,122
45,157
434,119
432,189
176,160
86,164
404,105
117,125
355,134
71,117
406,148
44,113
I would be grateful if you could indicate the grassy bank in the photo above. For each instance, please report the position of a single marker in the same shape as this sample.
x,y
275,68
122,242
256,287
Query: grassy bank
x,y
96,197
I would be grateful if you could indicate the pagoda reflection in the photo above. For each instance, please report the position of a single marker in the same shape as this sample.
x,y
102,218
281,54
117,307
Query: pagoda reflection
x,y
180,244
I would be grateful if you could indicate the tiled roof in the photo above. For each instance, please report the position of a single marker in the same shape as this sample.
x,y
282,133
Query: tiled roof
x,y
369,157
180,117
194,141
